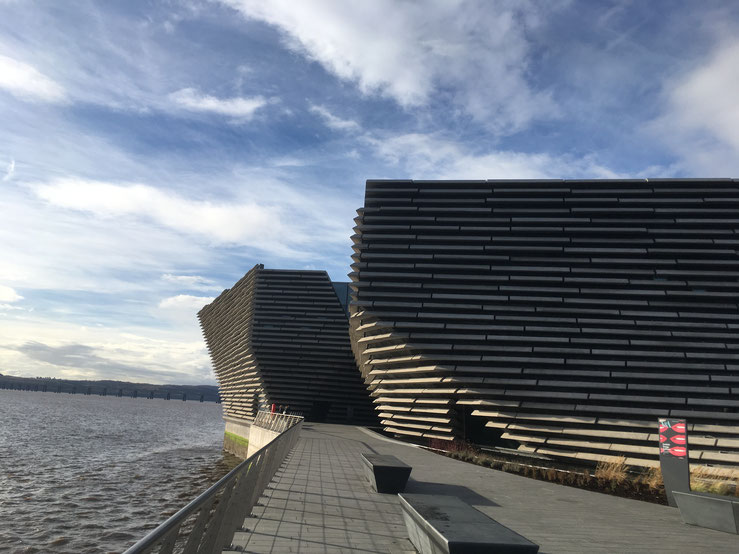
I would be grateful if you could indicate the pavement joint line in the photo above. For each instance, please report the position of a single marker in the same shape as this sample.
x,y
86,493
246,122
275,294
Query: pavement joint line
x,y
323,504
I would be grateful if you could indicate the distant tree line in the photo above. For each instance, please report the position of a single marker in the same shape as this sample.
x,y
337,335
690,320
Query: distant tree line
x,y
202,393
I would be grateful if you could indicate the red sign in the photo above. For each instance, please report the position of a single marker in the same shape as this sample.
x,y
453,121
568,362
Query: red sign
x,y
676,425
673,438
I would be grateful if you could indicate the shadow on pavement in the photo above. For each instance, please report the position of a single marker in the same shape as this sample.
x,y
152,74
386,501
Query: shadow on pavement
x,y
466,494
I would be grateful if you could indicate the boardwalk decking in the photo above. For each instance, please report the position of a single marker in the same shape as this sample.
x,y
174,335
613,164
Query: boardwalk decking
x,y
319,503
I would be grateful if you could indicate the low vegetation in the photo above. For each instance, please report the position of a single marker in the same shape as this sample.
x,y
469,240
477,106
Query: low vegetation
x,y
717,480
614,477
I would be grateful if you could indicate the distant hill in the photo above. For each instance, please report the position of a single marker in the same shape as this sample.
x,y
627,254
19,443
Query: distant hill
x,y
206,393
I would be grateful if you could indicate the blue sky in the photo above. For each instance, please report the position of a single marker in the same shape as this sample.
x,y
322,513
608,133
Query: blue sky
x,y
152,152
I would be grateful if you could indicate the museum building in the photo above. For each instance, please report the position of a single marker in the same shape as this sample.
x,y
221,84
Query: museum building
x,y
557,317
281,337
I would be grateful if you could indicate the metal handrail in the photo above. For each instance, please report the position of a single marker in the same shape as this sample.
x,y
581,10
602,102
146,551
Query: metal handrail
x,y
275,421
240,488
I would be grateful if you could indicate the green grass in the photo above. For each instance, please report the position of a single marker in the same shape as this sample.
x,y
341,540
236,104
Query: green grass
x,y
241,441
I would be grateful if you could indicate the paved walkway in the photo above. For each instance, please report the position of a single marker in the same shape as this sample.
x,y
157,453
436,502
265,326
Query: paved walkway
x,y
319,503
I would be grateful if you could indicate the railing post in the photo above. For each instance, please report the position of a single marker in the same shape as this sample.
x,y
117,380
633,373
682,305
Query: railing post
x,y
257,490
239,491
171,538
236,508
214,528
196,534
241,505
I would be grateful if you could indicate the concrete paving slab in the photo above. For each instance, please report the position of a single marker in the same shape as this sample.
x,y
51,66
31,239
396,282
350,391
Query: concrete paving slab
x,y
320,502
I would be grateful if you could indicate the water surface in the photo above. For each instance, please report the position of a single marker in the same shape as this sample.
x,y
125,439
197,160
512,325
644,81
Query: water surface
x,y
88,474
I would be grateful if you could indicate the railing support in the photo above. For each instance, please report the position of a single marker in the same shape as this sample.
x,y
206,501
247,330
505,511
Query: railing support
x,y
236,494
196,534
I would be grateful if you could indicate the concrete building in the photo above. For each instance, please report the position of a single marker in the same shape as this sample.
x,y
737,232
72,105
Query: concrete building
x,y
281,337
558,317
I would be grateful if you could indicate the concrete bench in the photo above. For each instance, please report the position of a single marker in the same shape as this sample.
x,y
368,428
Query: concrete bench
x,y
386,473
709,510
447,525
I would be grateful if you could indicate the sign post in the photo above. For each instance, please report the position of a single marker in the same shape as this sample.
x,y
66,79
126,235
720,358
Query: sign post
x,y
673,456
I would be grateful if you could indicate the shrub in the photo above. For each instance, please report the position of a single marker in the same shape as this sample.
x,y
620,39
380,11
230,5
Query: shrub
x,y
721,487
652,478
615,471
717,480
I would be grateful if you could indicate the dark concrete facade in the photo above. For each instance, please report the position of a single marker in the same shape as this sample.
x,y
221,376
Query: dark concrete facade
x,y
564,316
281,337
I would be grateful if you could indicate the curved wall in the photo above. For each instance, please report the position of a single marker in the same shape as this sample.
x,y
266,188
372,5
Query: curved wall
x,y
564,315
281,337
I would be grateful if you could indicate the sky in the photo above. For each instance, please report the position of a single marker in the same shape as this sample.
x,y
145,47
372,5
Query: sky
x,y
152,152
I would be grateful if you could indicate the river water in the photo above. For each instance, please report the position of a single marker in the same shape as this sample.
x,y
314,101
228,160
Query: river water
x,y
90,474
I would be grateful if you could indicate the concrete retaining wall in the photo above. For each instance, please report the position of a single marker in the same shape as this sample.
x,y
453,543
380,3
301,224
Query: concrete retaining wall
x,y
243,438
259,437
236,436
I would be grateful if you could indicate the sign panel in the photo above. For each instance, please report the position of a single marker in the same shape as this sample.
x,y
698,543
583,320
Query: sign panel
x,y
673,438
673,456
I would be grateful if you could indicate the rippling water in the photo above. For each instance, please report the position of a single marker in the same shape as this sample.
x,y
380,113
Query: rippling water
x,y
88,474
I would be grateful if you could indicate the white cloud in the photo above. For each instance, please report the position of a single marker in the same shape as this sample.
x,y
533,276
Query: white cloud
x,y
27,83
701,120
288,161
186,302
432,157
9,171
344,39
122,61
46,247
238,107
222,222
467,51
181,310
105,273
707,98
333,121
8,294
195,282
272,218
58,349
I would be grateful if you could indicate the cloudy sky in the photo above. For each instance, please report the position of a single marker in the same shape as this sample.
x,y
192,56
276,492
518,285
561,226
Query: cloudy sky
x,y
151,152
